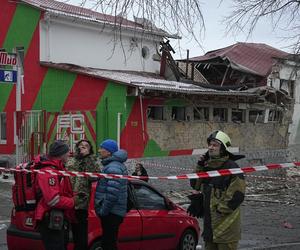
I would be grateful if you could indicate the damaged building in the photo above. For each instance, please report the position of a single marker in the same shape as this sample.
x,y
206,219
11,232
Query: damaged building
x,y
145,103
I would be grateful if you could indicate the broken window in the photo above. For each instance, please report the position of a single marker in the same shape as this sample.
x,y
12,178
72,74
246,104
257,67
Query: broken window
x,y
220,115
256,116
2,128
274,116
155,113
238,115
201,113
178,113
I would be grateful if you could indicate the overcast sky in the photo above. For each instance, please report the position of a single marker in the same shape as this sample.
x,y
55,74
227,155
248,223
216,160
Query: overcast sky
x,y
215,36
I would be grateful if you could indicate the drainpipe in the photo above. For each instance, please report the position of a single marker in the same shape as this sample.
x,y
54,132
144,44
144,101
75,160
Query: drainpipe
x,y
142,117
119,129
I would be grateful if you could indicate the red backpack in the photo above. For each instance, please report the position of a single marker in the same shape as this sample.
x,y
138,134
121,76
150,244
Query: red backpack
x,y
24,193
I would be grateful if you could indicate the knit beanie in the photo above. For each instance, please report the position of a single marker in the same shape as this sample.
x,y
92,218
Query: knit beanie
x,y
58,148
110,145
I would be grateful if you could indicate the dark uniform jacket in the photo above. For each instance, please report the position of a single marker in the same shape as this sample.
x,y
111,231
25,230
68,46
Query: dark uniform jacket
x,y
223,196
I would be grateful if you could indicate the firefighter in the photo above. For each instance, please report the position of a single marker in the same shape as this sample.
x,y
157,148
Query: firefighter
x,y
222,195
55,208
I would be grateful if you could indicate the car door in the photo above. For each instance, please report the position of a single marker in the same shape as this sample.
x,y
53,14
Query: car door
x,y
130,232
159,228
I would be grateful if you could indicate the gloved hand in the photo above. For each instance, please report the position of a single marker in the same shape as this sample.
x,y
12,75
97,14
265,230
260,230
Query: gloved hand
x,y
196,207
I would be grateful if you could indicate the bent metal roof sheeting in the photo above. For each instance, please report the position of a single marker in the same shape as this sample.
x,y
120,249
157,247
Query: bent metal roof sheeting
x,y
144,81
255,58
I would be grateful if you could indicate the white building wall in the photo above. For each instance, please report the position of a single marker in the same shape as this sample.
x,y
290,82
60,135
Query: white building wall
x,y
92,45
287,72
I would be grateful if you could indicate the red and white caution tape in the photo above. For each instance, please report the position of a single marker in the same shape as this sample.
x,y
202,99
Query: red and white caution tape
x,y
208,174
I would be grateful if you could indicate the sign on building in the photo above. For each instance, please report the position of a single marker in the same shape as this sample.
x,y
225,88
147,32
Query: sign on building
x,y
8,58
8,76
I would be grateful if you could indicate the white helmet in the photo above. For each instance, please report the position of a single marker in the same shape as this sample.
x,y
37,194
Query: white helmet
x,y
220,136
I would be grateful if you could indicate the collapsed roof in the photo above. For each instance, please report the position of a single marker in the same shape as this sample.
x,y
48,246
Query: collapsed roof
x,y
240,63
154,85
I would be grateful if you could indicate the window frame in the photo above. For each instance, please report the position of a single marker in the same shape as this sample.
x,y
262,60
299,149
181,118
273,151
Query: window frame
x,y
198,109
3,141
257,120
175,113
136,186
149,109
225,114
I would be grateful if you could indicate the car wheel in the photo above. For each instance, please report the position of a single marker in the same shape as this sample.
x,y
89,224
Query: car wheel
x,y
96,246
188,240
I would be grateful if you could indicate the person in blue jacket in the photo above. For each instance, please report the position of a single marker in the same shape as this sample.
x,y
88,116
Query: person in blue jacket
x,y
111,194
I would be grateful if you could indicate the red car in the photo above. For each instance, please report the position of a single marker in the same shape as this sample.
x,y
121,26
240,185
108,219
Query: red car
x,y
153,222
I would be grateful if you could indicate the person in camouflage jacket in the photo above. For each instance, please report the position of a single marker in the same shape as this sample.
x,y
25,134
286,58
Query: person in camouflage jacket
x,y
84,160
222,196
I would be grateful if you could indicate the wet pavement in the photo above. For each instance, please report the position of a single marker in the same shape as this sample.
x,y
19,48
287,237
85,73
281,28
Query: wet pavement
x,y
270,213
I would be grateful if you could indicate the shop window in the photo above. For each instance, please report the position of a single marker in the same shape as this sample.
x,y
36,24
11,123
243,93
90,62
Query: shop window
x,y
220,115
238,115
155,113
274,116
178,113
256,116
201,113
3,128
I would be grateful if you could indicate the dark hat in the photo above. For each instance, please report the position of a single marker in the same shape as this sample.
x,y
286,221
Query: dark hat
x,y
58,148
110,145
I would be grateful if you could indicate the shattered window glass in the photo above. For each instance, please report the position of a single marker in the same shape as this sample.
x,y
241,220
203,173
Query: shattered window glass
x,y
238,115
178,113
220,115
256,116
201,113
155,113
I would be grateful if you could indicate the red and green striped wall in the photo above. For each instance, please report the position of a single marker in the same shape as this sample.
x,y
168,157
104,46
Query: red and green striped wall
x,y
58,91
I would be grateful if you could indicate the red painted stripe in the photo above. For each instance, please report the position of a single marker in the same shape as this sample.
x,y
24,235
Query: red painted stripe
x,y
85,93
52,126
34,73
132,135
90,127
181,152
7,12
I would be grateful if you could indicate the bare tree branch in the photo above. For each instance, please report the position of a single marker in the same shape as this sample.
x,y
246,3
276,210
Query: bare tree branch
x,y
181,17
283,14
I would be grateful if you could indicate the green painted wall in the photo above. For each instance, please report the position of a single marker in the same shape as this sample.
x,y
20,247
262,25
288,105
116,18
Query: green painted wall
x,y
20,33
112,102
54,90
152,149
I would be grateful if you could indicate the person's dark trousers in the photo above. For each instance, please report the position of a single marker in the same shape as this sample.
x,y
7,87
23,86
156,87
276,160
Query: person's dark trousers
x,y
80,230
53,239
110,227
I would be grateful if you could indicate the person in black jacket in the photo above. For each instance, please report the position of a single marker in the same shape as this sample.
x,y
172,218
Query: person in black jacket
x,y
140,171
